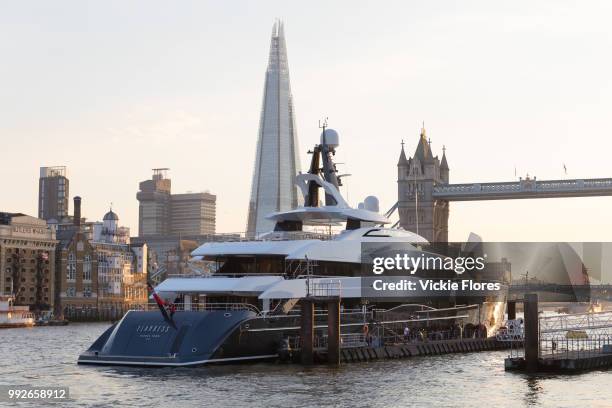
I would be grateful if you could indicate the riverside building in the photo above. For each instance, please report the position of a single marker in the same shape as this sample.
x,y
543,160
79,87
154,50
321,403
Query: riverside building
x,y
27,256
102,275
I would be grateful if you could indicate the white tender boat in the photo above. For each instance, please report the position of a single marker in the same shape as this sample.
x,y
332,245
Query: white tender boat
x,y
14,316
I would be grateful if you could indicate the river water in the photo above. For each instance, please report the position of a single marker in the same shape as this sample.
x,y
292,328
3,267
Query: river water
x,y
46,356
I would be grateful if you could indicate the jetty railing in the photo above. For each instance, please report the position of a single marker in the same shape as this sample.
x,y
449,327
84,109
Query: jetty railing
x,y
571,335
595,323
347,340
378,338
561,347
576,335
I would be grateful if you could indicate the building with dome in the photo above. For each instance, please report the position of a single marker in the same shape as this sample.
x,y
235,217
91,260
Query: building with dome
x,y
100,274
109,231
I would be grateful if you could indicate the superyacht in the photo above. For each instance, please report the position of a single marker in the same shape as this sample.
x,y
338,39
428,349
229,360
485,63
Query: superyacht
x,y
248,307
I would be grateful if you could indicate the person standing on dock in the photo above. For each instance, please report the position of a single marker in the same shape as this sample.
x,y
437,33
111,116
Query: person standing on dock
x,y
406,333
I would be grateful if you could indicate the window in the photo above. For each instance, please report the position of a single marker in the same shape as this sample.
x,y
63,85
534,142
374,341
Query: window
x,y
376,233
71,268
71,291
87,268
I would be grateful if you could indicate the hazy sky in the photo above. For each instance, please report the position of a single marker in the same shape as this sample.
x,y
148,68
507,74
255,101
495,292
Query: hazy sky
x,y
112,89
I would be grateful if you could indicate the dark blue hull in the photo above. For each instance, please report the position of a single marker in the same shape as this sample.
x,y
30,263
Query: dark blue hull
x,y
145,339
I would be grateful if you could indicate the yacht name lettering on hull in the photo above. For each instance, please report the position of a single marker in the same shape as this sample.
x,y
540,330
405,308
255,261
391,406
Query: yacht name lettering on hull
x,y
152,331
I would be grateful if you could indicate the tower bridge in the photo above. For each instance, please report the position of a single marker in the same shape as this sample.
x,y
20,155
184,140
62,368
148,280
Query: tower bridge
x,y
527,188
424,191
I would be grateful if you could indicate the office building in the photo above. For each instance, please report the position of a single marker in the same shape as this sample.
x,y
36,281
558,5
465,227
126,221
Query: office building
x,y
162,213
154,204
53,193
192,214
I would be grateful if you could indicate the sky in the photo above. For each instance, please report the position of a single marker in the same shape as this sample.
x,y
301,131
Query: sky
x,y
113,89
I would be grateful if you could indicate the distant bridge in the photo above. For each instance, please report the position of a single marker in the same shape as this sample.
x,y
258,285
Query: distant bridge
x,y
440,194
424,192
524,188
556,292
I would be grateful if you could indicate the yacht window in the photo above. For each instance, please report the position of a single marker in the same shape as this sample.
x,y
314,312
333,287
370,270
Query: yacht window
x,y
376,233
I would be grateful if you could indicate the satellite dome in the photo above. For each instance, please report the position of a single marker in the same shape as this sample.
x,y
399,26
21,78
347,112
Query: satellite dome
x,y
331,138
371,204
110,216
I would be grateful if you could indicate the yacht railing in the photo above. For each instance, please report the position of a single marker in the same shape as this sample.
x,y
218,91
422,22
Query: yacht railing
x,y
300,267
343,312
186,275
222,275
241,274
242,236
324,289
202,307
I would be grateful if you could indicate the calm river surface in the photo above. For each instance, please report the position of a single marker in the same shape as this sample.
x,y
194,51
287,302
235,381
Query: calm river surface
x,y
46,356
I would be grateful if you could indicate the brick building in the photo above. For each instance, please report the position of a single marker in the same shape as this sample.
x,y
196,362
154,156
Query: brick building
x,y
27,260
101,275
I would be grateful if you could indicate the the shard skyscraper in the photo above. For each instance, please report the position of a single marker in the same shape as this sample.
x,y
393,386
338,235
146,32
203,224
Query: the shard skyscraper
x,y
276,158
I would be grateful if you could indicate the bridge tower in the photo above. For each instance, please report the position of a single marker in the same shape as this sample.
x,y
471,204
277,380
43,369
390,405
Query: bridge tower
x,y
417,176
